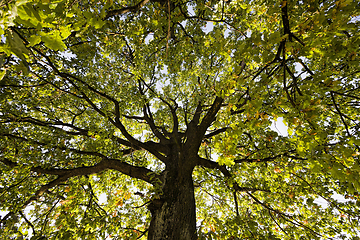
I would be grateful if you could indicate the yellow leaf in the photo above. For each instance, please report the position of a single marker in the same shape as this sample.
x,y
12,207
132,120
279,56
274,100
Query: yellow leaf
x,y
127,195
120,203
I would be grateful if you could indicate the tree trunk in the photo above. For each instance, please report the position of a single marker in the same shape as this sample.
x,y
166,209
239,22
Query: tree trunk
x,y
173,215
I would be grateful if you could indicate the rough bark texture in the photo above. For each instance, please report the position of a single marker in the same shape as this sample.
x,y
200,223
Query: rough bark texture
x,y
173,215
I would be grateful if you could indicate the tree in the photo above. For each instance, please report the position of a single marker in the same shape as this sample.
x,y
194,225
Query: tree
x,y
152,119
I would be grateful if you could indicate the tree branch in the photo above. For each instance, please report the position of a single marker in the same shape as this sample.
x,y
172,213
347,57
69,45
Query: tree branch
x,y
124,10
38,122
197,114
172,110
138,143
210,116
150,146
28,222
216,132
341,115
285,216
267,159
125,168
236,204
214,165
106,163
276,222
150,121
81,131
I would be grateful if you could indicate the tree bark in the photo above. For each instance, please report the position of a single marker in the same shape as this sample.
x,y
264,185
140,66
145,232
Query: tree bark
x,y
173,214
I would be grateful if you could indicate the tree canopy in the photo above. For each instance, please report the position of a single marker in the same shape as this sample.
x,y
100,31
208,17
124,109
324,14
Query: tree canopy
x,y
151,119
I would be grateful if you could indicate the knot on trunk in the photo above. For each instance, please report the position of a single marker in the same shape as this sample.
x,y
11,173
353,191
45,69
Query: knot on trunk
x,y
155,204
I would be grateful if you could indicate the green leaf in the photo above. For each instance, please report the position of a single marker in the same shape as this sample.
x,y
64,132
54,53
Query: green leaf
x,y
33,40
65,31
2,74
53,41
97,23
16,44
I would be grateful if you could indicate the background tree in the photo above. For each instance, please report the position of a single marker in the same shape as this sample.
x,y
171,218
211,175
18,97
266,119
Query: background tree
x,y
152,119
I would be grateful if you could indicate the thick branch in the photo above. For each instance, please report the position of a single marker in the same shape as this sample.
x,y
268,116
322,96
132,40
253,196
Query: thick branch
x,y
125,168
210,116
134,117
236,204
124,142
138,143
277,222
216,132
64,174
195,133
8,162
149,118
150,121
285,18
197,114
237,111
45,188
141,173
117,121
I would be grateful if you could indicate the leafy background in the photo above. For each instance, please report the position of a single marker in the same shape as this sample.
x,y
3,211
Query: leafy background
x,y
64,62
